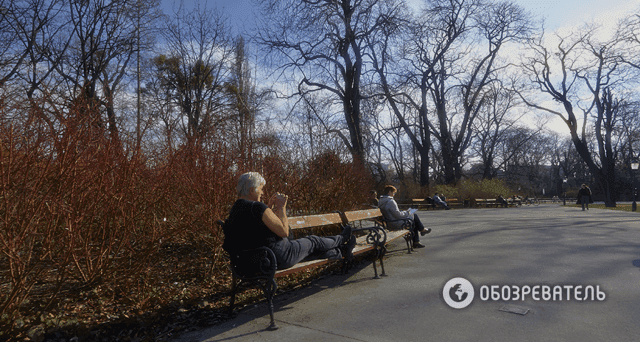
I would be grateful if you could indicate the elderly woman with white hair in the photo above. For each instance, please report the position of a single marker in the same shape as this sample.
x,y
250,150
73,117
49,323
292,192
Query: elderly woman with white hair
x,y
252,224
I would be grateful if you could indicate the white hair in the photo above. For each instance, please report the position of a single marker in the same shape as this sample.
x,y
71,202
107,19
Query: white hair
x,y
248,181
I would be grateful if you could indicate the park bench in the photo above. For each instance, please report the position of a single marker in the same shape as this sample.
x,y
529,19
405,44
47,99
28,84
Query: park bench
x,y
258,266
421,203
428,203
487,202
493,202
454,202
514,203
377,219
451,202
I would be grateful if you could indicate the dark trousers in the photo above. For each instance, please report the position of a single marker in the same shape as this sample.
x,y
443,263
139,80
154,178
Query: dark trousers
x,y
290,252
417,228
585,202
442,204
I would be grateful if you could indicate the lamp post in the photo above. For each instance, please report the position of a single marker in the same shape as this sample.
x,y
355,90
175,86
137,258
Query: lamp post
x,y
564,190
634,167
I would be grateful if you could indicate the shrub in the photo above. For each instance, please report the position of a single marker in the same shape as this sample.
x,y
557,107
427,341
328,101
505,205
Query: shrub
x,y
487,188
85,221
470,189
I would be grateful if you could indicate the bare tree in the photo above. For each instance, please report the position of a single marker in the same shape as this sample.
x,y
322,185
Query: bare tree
x,y
195,69
529,155
588,87
322,44
247,100
629,32
21,24
33,43
495,122
388,51
95,62
452,60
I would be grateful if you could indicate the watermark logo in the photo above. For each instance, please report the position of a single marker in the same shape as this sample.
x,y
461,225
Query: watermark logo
x,y
458,293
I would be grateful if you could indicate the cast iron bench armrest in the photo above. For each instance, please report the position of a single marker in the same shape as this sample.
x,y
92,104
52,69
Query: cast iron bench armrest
x,y
376,235
254,263
254,266
407,223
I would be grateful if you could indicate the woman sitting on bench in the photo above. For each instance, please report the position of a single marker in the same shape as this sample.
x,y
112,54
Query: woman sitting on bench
x,y
393,215
252,224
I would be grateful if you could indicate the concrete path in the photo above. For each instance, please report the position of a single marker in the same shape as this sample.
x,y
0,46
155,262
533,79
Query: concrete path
x,y
545,245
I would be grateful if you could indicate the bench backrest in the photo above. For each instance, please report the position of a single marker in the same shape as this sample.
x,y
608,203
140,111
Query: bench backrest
x,y
309,221
357,215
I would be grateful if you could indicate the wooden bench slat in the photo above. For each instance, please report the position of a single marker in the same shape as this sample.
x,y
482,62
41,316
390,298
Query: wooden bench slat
x,y
302,266
362,214
395,234
299,222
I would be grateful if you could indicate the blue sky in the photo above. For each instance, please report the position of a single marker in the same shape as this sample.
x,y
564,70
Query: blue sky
x,y
240,12
558,13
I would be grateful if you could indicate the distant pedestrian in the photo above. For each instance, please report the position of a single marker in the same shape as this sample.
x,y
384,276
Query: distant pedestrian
x,y
373,198
584,197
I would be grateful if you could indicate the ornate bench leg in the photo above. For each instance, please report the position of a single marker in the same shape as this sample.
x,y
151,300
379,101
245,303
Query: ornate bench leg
x,y
234,289
383,251
375,269
269,291
409,239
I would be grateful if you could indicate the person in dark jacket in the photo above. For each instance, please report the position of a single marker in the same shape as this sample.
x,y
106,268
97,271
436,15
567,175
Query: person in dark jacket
x,y
584,197
501,201
252,224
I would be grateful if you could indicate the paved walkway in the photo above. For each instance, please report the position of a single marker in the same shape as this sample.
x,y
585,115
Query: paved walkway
x,y
545,245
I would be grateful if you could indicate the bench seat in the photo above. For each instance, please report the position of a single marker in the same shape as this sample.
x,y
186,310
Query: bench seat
x,y
361,247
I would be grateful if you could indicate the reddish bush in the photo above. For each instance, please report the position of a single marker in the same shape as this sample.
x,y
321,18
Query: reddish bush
x,y
86,221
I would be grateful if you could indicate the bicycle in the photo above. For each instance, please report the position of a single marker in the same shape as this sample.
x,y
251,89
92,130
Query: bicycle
x,y
531,201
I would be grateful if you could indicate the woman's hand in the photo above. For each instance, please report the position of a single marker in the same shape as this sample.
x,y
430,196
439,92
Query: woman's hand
x,y
278,200
276,216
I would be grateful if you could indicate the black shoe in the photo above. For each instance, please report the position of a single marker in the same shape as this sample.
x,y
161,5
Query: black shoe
x,y
347,248
425,231
418,245
346,233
